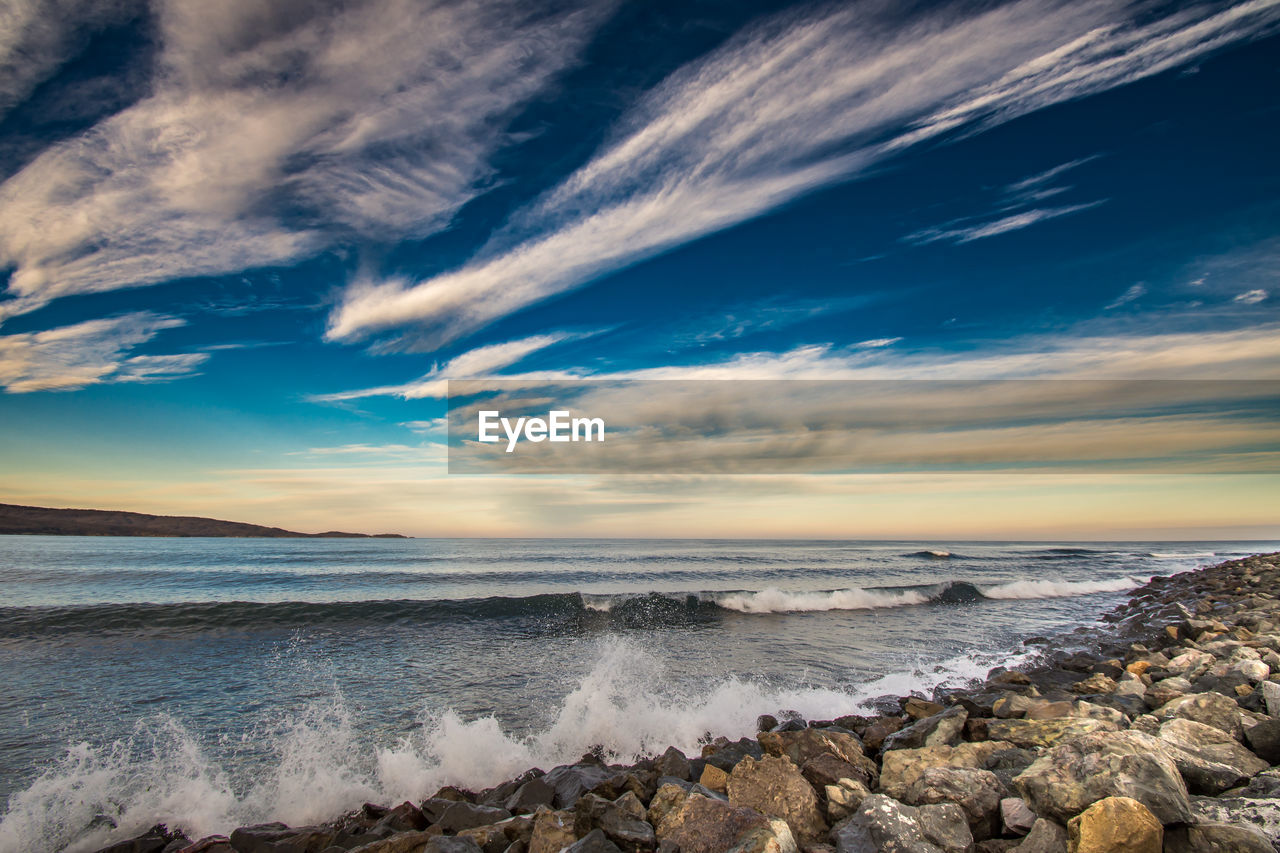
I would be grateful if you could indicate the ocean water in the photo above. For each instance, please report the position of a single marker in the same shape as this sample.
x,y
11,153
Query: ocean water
x,y
211,683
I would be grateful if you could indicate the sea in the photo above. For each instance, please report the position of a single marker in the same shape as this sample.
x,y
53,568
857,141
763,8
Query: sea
x,y
215,683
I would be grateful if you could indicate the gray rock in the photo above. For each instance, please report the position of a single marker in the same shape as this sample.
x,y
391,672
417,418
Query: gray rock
x,y
883,825
1045,837
279,838
1216,838
460,816
1264,815
1015,816
1209,759
571,781
673,763
942,729
593,842
530,795
1212,709
447,844
622,820
1264,739
947,826
977,792
1073,775
1271,695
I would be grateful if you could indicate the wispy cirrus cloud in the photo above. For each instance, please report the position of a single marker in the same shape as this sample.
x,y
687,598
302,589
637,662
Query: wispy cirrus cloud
x,y
272,130
794,104
91,353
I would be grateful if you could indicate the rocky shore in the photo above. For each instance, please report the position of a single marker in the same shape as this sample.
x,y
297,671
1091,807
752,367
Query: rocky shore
x,y
1160,731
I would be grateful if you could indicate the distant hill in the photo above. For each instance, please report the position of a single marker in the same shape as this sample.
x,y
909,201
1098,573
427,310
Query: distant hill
x,y
44,521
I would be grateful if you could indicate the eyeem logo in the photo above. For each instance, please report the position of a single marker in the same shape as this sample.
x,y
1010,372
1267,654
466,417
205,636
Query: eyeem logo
x,y
557,426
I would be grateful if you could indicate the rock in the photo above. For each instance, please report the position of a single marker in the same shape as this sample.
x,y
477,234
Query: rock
x,y
775,787
945,825
1271,695
529,796
1045,837
491,839
673,763
1190,663
1216,838
1264,739
919,709
1011,706
901,767
804,746
1209,759
977,792
882,825
942,729
1015,816
1212,709
873,736
1115,825
622,820
766,723
154,840
844,798
210,844
826,769
460,816
593,842
446,844
1262,814
1096,683
571,781
1079,772
703,825
402,842
714,779
278,838
1045,710
552,831
1008,763
1044,733
1254,671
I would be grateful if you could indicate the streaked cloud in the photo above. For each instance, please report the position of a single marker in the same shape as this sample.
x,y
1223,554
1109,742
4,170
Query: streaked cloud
x,y
1002,225
91,353
273,130
1251,297
1135,292
794,104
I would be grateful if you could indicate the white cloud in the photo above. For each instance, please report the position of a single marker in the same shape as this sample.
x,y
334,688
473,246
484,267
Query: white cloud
x,y
794,104
1251,297
477,363
1003,225
373,118
91,353
1136,291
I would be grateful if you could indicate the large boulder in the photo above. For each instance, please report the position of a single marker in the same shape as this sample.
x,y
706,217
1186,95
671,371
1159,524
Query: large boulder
x,y
947,826
1074,775
1264,739
883,825
1045,836
673,763
809,745
1263,814
155,840
1115,825
775,787
1209,759
622,820
279,838
1016,818
1044,733
1216,838
702,825
943,729
977,792
1212,709
459,816
552,831
571,781
901,767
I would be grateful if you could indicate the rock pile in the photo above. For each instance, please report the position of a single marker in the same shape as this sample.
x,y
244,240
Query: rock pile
x,y
1158,733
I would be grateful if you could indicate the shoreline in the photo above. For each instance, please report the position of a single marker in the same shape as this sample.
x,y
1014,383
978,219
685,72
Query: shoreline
x,y
1160,724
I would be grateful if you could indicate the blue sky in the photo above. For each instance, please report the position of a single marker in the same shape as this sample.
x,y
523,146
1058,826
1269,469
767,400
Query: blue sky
x,y
244,244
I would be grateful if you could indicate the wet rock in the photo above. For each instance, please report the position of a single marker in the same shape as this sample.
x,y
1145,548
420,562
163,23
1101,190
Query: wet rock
x,y
552,831
491,839
883,825
1044,733
775,787
1209,759
1212,709
726,754
1216,838
902,767
462,815
279,838
977,792
805,746
154,840
622,820
405,817
571,781
843,799
593,842
874,735
1115,825
1011,706
404,842
703,825
1264,739
826,769
673,763
1045,837
529,796
1016,818
1079,772
451,844
919,709
210,844
942,729
1261,814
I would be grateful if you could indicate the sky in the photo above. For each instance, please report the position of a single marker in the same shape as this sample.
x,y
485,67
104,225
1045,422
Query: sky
x,y
245,246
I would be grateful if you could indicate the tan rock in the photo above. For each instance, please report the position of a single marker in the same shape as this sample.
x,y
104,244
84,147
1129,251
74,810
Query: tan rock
x,y
703,825
900,768
775,787
1043,733
714,778
1138,667
1115,825
552,831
